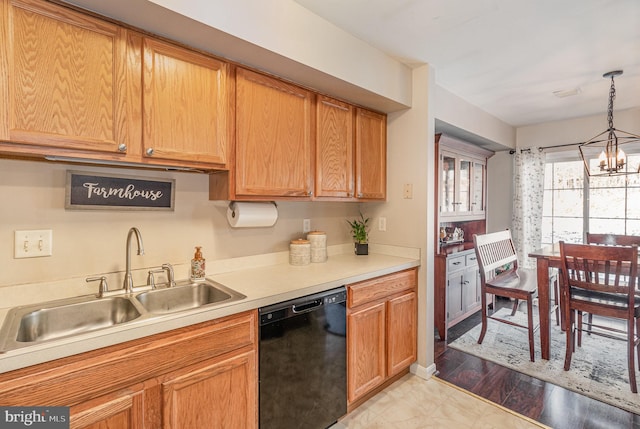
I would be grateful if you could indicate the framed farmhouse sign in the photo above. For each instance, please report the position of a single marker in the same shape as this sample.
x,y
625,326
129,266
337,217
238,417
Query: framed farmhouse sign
x,y
91,191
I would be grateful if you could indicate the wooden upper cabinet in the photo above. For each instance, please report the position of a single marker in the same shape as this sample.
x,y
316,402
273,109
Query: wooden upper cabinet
x,y
64,79
371,155
187,105
274,123
334,149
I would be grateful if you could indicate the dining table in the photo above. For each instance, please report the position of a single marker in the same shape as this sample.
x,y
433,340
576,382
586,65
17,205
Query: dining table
x,y
546,257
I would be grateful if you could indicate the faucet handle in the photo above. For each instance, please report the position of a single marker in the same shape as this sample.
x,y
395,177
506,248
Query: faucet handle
x,y
151,280
170,277
103,288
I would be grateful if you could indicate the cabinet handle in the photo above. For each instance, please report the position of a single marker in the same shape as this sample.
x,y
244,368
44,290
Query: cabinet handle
x,y
149,151
456,263
122,147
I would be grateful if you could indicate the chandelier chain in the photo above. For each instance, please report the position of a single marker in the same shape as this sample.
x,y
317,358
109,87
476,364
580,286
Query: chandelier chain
x,y
612,96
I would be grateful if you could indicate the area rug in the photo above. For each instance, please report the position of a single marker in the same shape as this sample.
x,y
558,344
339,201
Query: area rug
x,y
598,368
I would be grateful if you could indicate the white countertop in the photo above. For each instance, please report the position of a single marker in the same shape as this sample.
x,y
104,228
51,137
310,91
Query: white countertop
x,y
264,280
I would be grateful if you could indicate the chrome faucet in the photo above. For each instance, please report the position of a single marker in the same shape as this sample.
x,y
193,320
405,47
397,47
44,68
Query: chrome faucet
x,y
128,279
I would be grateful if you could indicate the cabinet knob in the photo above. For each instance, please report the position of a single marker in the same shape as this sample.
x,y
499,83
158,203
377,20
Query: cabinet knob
x,y
122,147
149,151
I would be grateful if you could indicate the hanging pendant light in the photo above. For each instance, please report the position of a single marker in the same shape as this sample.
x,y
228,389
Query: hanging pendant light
x,y
612,160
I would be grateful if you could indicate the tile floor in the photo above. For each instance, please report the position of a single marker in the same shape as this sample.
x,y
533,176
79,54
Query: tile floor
x,y
413,402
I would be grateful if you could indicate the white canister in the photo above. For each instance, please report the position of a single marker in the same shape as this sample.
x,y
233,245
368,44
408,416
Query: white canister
x,y
318,241
299,252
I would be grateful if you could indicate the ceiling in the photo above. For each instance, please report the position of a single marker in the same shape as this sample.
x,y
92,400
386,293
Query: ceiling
x,y
508,57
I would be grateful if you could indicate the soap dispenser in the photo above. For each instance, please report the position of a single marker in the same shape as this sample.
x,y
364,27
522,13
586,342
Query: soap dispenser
x,y
197,266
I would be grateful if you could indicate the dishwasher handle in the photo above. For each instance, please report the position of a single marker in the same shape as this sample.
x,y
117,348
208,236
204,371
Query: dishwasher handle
x,y
307,306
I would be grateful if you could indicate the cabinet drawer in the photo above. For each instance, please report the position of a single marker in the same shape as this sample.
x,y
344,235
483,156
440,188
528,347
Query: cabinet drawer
x,y
471,260
455,263
380,287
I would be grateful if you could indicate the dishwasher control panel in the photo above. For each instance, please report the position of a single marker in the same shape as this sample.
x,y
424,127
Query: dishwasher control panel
x,y
301,305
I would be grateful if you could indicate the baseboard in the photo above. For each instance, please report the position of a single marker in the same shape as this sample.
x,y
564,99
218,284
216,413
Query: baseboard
x,y
422,372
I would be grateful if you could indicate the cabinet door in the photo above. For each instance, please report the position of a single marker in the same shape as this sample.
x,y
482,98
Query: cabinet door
x,y
478,187
63,79
463,199
187,106
216,394
371,155
365,350
447,183
273,137
454,296
334,149
123,410
401,332
470,289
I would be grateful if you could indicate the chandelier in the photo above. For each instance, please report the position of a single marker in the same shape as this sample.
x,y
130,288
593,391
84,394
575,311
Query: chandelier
x,y
612,159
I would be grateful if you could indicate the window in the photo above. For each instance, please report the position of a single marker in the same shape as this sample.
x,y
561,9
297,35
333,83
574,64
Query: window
x,y
575,203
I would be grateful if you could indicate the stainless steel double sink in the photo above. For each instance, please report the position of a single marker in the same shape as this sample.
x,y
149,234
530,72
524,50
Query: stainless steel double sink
x,y
38,323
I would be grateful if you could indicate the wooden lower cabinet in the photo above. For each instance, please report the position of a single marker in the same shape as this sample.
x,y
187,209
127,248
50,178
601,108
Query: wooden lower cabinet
x,y
402,324
123,410
216,394
203,375
381,331
366,350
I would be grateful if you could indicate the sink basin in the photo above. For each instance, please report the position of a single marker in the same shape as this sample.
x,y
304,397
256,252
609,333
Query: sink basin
x,y
34,324
186,296
58,319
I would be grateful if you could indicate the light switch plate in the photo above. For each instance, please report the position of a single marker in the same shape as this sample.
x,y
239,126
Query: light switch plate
x,y
382,224
306,225
33,243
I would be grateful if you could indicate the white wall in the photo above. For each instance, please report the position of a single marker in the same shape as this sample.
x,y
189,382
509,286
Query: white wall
x,y
576,130
499,191
92,242
455,111
410,222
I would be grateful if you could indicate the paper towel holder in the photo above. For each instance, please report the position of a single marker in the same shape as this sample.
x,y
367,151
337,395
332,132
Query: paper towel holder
x,y
232,206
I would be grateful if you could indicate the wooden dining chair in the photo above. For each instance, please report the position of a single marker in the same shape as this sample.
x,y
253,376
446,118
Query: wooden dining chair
x,y
496,252
608,240
613,239
601,280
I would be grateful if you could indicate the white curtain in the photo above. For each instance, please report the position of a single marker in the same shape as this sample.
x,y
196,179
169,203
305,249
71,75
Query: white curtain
x,y
528,194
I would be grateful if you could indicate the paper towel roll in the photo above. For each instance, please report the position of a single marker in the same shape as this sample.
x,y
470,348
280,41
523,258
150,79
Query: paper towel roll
x,y
252,215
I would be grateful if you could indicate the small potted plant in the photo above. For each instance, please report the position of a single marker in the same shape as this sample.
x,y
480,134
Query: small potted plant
x,y
360,234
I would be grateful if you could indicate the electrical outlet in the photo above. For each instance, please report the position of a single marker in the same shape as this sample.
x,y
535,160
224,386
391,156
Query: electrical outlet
x,y
407,191
306,225
33,244
382,224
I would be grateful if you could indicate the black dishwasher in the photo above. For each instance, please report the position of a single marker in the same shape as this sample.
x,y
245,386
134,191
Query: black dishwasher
x,y
303,360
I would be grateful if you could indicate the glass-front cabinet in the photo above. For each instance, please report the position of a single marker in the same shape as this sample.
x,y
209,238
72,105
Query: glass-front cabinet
x,y
462,185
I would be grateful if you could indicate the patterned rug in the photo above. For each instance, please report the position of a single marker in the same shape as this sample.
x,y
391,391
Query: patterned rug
x,y
598,368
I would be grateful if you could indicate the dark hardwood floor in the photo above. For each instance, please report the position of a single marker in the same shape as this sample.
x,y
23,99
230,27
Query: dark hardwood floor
x,y
547,403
